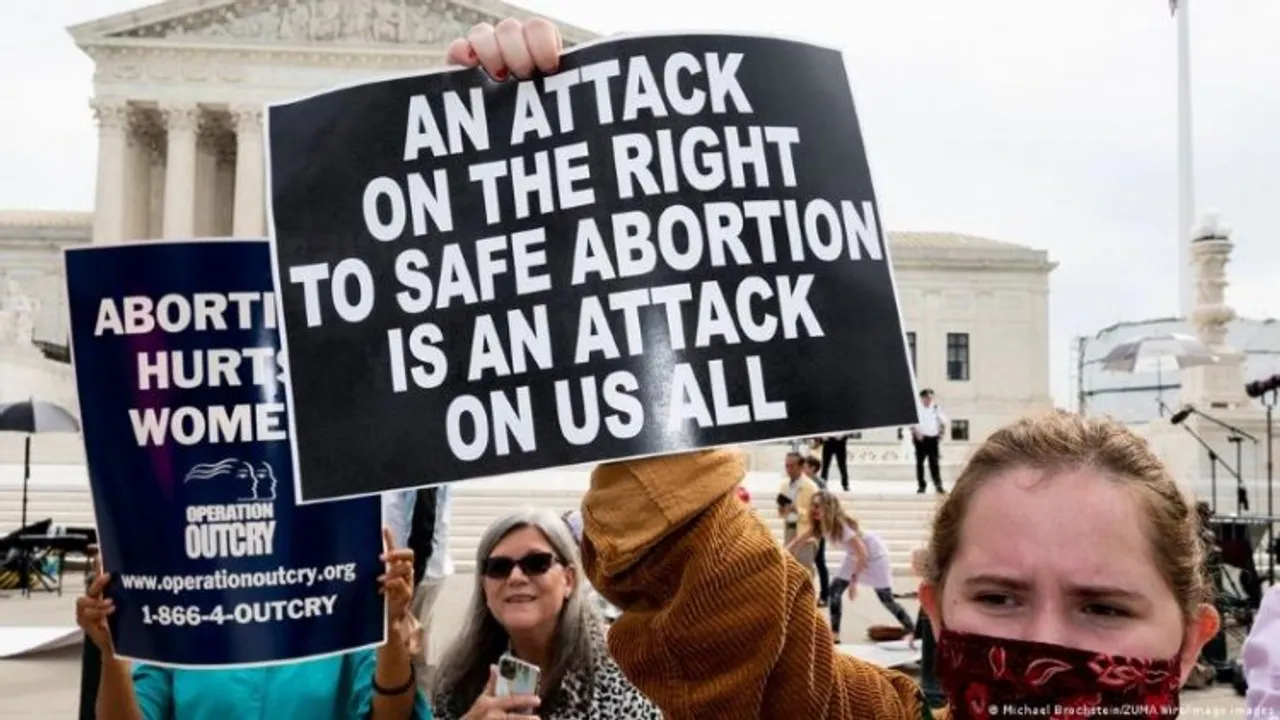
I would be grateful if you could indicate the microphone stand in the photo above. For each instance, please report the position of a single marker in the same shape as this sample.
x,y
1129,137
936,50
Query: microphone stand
x,y
1225,426
1213,469
1237,437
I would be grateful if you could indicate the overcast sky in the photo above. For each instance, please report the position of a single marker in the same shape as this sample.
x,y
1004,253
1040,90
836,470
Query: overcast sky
x,y
1043,122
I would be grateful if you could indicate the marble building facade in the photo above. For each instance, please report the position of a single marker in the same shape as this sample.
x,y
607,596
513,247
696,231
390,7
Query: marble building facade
x,y
178,92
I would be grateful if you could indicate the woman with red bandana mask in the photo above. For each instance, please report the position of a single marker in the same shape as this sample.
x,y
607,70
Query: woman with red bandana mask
x,y
1064,576
1064,572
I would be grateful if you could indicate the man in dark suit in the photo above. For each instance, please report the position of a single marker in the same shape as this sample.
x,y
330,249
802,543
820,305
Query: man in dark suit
x,y
836,447
429,539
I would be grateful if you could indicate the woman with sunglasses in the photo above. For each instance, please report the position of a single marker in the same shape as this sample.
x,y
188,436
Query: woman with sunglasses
x,y
531,601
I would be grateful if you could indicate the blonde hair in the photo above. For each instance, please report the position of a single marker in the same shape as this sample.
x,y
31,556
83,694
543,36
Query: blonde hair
x,y
832,517
1058,442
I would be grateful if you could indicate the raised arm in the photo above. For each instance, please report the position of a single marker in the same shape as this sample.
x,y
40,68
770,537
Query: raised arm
x,y
124,692
718,621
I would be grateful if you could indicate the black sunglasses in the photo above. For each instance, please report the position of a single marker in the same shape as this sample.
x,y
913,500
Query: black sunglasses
x,y
498,567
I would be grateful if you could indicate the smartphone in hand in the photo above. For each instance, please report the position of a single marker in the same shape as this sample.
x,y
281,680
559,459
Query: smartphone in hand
x,y
516,677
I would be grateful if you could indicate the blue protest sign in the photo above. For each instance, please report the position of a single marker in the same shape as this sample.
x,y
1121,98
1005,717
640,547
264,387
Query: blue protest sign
x,y
179,372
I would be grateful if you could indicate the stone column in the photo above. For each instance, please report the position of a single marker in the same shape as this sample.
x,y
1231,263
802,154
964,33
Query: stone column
x,y
1210,251
250,215
181,122
112,116
206,177
1220,385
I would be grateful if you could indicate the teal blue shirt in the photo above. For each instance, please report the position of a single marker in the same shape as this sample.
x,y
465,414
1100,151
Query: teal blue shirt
x,y
334,688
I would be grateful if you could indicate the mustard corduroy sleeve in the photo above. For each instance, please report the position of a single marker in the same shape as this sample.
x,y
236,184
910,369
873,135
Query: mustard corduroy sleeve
x,y
718,621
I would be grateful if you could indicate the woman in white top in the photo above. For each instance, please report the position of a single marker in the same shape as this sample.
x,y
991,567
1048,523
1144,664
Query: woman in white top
x,y
866,561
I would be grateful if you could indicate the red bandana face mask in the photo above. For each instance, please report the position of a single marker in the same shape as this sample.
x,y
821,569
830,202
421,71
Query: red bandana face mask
x,y
989,678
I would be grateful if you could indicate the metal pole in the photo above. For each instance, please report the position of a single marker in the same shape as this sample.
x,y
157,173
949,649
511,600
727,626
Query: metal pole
x,y
26,478
1241,497
1213,482
1081,341
1160,388
1271,527
1186,166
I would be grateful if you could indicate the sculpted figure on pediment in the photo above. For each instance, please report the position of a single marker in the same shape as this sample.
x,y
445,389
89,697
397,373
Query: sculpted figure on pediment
x,y
17,315
230,24
428,28
356,21
327,22
295,22
387,21
341,21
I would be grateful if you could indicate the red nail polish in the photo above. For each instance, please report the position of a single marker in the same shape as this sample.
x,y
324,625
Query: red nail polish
x,y
500,75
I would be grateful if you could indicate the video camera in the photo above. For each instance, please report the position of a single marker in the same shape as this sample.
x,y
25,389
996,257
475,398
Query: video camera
x,y
1258,388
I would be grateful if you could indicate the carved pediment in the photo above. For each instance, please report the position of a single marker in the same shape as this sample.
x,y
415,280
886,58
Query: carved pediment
x,y
301,22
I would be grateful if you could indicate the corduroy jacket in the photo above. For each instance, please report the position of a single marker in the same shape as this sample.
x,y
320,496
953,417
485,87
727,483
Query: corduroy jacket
x,y
718,620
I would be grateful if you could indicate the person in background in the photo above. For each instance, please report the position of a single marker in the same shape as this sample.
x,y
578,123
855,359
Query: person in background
x,y
573,518
429,539
794,495
794,498
530,600
397,513
377,684
836,447
813,470
866,559
1261,660
812,467
1216,653
927,438
933,694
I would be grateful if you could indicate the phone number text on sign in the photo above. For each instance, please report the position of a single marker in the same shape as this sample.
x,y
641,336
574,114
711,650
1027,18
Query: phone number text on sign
x,y
242,614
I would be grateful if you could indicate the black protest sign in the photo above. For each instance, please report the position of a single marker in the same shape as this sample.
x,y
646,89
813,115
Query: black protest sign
x,y
672,243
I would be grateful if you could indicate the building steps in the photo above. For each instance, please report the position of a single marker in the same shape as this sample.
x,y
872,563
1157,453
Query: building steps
x,y
889,507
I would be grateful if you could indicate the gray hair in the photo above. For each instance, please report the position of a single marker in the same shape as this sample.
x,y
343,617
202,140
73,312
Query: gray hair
x,y
464,667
